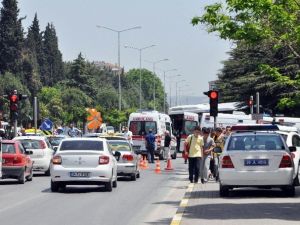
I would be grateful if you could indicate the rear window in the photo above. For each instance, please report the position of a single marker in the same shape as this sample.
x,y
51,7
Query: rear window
x,y
82,145
119,146
31,144
8,148
256,142
55,141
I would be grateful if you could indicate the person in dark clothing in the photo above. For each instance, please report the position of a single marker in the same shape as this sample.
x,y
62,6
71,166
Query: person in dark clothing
x,y
150,145
167,145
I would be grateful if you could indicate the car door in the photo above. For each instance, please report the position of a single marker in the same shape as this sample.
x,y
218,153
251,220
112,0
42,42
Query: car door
x,y
296,143
26,158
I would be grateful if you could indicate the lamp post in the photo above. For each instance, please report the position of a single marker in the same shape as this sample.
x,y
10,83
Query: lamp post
x,y
177,90
166,71
182,88
119,53
170,84
140,51
120,97
154,81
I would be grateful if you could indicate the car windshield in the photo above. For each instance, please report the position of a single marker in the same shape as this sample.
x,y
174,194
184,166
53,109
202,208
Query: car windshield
x,y
256,142
8,148
119,146
55,141
31,144
82,145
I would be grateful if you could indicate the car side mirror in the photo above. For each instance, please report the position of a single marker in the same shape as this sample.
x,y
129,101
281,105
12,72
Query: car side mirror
x,y
55,148
28,152
117,155
217,150
292,148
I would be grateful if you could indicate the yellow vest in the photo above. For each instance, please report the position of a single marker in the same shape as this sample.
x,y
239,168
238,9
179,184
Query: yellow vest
x,y
196,146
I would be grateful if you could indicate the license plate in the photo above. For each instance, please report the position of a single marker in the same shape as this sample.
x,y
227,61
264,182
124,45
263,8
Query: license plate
x,y
79,174
256,162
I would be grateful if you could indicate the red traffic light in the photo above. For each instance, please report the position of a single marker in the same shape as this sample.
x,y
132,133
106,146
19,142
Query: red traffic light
x,y
13,98
213,95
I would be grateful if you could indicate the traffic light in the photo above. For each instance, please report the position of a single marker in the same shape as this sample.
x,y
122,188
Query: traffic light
x,y
13,106
213,102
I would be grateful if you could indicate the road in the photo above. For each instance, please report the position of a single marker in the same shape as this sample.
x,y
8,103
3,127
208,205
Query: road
x,y
152,199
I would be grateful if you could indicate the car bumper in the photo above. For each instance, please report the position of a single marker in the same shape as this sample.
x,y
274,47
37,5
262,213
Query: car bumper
x,y
41,164
230,177
62,174
12,171
126,168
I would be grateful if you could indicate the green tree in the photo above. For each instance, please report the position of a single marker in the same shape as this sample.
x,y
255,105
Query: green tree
x,y
11,37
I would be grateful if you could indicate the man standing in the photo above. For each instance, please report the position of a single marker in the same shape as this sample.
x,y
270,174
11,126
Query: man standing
x,y
167,145
150,145
195,143
128,135
207,151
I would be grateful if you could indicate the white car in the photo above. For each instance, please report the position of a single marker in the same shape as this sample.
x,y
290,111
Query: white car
x,y
256,159
83,161
42,152
293,139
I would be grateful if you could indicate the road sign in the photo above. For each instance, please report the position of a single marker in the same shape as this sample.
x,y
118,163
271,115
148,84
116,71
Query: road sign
x,y
46,125
257,116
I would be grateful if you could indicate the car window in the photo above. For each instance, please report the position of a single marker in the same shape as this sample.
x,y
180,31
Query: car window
x,y
31,144
8,148
256,142
296,141
119,146
21,148
55,141
82,145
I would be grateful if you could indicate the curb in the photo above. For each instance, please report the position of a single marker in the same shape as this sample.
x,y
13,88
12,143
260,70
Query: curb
x,y
183,204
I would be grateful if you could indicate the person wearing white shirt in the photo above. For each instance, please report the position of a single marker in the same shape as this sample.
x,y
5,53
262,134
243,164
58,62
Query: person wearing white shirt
x,y
128,135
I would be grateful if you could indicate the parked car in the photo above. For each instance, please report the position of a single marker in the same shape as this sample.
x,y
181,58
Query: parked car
x,y
42,152
16,162
83,161
256,158
128,161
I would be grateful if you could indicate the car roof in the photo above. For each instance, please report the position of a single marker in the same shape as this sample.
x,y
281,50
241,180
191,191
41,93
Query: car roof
x,y
286,132
9,141
255,133
83,139
30,138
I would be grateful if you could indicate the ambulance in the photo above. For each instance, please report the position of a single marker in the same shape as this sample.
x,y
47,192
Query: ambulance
x,y
141,122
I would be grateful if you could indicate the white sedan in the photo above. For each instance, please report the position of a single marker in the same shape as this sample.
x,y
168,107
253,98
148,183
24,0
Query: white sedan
x,y
256,159
83,161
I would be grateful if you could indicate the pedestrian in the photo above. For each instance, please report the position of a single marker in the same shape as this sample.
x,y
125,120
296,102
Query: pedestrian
x,y
128,135
150,145
195,153
167,145
23,132
207,155
219,140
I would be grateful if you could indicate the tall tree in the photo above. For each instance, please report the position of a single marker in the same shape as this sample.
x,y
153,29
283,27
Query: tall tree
x,y
11,37
52,69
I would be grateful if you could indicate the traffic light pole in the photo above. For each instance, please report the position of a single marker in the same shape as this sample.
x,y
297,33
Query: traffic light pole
x,y
215,122
15,127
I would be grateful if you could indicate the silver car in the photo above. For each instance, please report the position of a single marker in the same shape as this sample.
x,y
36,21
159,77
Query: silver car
x,y
127,160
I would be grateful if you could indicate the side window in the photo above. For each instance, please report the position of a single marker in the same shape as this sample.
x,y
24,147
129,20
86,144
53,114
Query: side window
x,y
109,149
296,141
48,144
22,150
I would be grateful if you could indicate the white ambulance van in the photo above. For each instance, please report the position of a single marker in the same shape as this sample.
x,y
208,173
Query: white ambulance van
x,y
141,122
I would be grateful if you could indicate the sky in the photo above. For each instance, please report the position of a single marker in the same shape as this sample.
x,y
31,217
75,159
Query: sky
x,y
166,24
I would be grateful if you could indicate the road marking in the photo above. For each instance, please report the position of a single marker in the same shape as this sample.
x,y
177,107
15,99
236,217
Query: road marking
x,y
183,204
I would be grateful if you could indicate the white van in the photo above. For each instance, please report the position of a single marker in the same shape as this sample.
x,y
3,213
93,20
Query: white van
x,y
139,124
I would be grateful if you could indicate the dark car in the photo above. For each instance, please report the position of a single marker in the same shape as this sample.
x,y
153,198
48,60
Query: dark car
x,y
16,162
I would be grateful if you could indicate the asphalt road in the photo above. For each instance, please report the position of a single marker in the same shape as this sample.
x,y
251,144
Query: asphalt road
x,y
152,199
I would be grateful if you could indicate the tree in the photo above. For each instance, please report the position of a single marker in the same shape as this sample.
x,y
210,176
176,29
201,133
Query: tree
x,y
11,37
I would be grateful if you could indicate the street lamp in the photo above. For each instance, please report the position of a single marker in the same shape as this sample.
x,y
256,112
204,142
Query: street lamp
x,y
166,71
177,89
182,88
170,93
119,56
140,51
120,97
154,81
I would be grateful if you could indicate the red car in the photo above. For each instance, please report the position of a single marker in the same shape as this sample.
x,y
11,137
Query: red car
x,y
16,162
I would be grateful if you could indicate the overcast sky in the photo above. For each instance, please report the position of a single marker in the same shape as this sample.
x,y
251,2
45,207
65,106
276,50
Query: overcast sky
x,y
166,23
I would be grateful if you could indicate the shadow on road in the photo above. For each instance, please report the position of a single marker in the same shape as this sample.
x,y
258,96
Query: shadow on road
x,y
77,189
161,221
8,182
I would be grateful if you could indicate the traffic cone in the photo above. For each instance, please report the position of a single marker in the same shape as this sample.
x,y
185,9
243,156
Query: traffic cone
x,y
169,164
146,164
157,167
142,163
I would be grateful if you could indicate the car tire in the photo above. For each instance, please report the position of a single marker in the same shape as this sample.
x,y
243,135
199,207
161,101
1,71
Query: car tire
x,y
289,191
108,186
47,173
296,180
29,178
22,178
224,191
54,186
174,156
115,183
138,175
161,157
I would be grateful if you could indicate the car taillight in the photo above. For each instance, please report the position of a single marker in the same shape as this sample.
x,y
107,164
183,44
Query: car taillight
x,y
286,162
103,159
56,160
226,162
128,157
17,160
42,144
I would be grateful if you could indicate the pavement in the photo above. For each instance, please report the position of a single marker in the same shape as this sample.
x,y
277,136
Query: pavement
x,y
202,205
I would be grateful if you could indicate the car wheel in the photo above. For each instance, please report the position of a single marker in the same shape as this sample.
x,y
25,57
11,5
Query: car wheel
x,y
133,177
108,186
115,183
22,178
47,173
29,178
54,186
297,179
138,175
174,156
161,157
224,191
289,191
